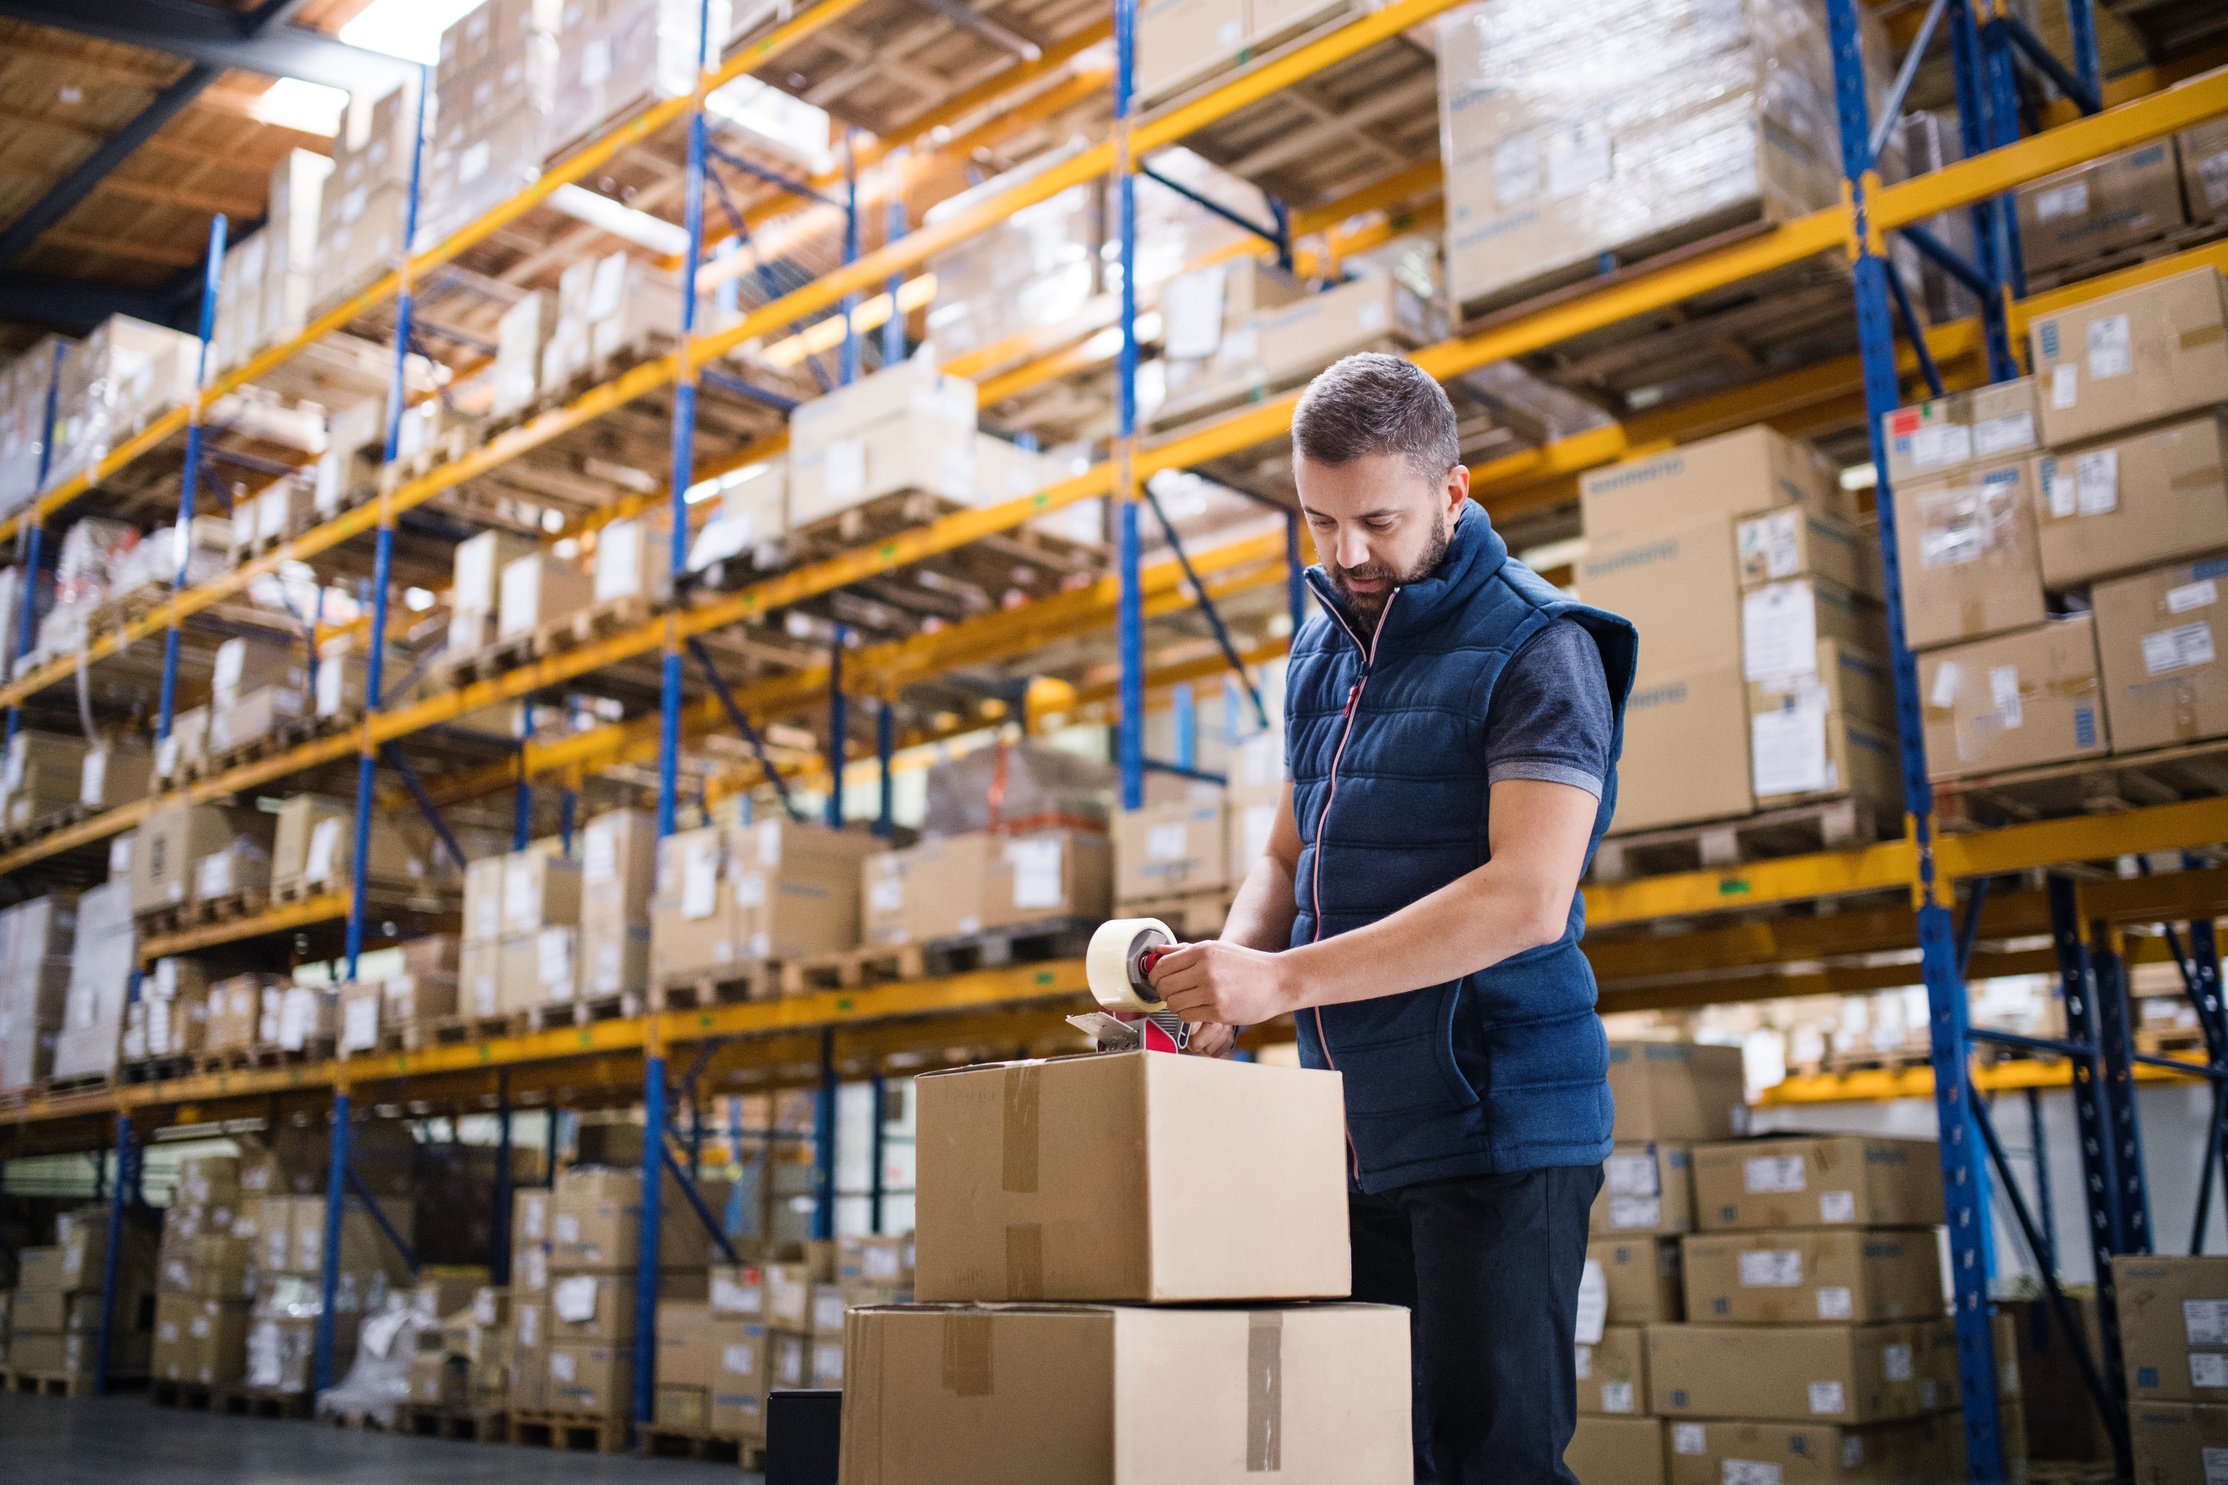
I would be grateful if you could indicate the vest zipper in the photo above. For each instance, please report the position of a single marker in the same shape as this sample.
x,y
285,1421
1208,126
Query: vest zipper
x,y
1346,730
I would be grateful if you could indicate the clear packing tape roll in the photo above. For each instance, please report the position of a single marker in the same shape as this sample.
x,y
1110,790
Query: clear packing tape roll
x,y
1114,963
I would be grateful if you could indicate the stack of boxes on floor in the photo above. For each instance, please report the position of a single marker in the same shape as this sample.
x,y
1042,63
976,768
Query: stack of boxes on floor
x,y
463,1359
731,896
521,950
1096,1230
202,1279
1762,685
37,944
2174,1347
2065,599
55,1319
1013,836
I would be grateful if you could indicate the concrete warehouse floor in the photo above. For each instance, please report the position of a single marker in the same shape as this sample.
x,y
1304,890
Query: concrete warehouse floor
x,y
127,1440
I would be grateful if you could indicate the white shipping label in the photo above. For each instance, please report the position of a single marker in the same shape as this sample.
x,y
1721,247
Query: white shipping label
x,y
1616,1397
331,678
564,1227
2212,173
2178,648
1585,1357
1037,880
2060,490
324,846
1787,745
880,1263
1167,843
886,895
739,1360
1635,1213
2205,1321
846,464
1689,1438
1229,34
1516,169
1835,1302
1826,1397
1768,1174
553,950
1852,1451
2068,200
359,1026
2203,593
2216,1460
1992,436
1895,1363
2097,482
1779,632
1749,1472
750,889
1773,541
521,913
2111,347
1577,157
2208,1369
1837,1206
1771,1268
827,1310
92,779
699,884
574,1298
1593,1303
561,1366
599,859
1633,1174
2065,386
2003,691
769,843
1942,445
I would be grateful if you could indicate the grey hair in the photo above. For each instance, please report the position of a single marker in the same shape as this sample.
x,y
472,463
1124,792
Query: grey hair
x,y
1372,403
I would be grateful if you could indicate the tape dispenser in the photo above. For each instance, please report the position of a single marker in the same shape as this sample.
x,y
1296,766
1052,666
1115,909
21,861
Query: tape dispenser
x,y
1118,965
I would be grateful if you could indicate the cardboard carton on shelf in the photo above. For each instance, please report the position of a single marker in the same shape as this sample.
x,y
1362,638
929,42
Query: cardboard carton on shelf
x,y
1791,543
1646,1189
1713,1451
956,1395
2139,356
1680,581
1613,1372
1677,1091
1236,1194
1731,475
2100,206
1175,846
2173,1328
1639,1278
1968,551
1181,41
2014,700
2204,154
2128,502
1830,1180
1792,1373
2165,678
2178,1443
1769,1278
1617,1451
1686,750
1985,424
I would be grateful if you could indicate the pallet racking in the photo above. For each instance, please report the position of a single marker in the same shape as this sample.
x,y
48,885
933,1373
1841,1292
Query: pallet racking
x,y
1900,895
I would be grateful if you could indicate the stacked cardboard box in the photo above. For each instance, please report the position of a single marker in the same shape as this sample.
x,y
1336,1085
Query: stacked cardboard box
x,y
203,1279
908,427
490,115
521,949
37,941
177,837
171,1016
112,383
1277,336
771,891
42,773
1663,549
1235,1194
609,309
258,687
286,1237
618,869
962,885
1181,42
362,203
462,1362
55,1319
538,591
2174,1346
2101,206
475,588
422,990
102,964
1178,844
314,850
118,771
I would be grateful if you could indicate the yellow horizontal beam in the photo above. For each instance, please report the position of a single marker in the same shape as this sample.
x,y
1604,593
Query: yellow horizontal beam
x,y
300,913
1882,1085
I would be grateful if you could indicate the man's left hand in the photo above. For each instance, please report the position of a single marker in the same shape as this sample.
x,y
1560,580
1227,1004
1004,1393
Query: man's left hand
x,y
1224,983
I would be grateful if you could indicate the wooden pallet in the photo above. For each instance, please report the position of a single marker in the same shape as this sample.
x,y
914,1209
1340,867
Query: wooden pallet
x,y
1823,825
1022,943
581,1012
463,1427
1030,563
262,1402
443,1031
363,1420
191,1396
156,1069
77,1083
247,902
583,1433
854,969
2085,786
2133,255
601,620
52,1384
691,1443
240,1059
208,765
729,984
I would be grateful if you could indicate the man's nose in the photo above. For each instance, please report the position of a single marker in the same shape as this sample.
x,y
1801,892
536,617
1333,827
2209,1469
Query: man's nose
x,y
1351,549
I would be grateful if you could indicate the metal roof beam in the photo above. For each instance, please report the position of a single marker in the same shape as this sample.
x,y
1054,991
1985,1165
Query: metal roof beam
x,y
202,34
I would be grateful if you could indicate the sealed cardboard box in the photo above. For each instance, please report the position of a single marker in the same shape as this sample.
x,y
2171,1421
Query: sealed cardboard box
x,y
1795,543
1969,556
1235,1188
1613,1372
595,1219
1180,40
592,1307
1645,1188
788,1295
540,591
1177,846
1789,1373
738,1385
1616,1451
961,1395
1686,750
2100,206
874,1260
1829,1180
1989,424
2204,152
1639,1279
1800,748
2174,1328
1715,1452
688,1333
2138,356
618,866
1684,576
1771,1278
1250,818
2014,701
2133,501
2178,1443
738,1289
1782,625
591,1378
1367,312
1677,1091
1750,470
2165,680
541,889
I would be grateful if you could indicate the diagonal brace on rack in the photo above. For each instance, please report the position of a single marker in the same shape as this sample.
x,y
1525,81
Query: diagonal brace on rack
x,y
769,283
771,177
379,1216
1207,608
694,1197
728,381
1914,332
426,806
1278,235
736,715
2030,46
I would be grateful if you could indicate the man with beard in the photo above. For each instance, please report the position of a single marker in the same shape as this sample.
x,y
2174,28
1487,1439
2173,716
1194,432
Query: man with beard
x,y
1452,731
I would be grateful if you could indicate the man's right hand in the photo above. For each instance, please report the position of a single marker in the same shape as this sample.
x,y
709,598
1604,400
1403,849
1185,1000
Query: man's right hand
x,y
1211,1040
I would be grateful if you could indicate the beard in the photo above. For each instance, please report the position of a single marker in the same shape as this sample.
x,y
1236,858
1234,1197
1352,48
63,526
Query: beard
x,y
1368,608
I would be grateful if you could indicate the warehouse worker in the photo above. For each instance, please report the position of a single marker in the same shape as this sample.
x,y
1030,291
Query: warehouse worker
x,y
1452,730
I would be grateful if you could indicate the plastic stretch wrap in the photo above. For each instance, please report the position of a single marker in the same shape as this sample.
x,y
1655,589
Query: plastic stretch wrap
x,y
101,964
1014,786
1570,132
112,383
379,1381
23,384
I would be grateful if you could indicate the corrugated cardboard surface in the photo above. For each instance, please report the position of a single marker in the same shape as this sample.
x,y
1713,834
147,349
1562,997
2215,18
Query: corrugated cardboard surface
x,y
2138,356
2099,206
1792,1373
1731,475
1645,1189
1064,1396
1131,1178
1677,1091
1839,1180
2159,643
1714,1453
2013,700
1686,750
1613,1372
2178,1444
1617,1451
2126,503
1641,1278
1967,549
1991,423
1770,1278
2174,1328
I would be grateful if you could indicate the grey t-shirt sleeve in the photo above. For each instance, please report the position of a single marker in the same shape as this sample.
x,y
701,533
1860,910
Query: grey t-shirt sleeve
x,y
1550,717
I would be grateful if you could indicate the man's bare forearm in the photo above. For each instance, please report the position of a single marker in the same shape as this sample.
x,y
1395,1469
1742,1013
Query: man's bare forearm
x,y
1261,916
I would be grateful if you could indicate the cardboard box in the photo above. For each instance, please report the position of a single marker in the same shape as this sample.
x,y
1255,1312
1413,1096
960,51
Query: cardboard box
x,y
2178,1444
1179,41
1969,556
1829,1180
788,1295
1249,818
962,1395
595,1217
478,567
1237,1189
1677,1091
1639,1279
1789,1373
1370,312
2173,1328
2204,152
916,384
539,591
920,452
479,979
2165,680
1782,624
1795,543
591,1307
618,867
1802,747
591,1378
1686,750
1616,1451
1734,474
175,836
1990,424
2138,356
958,886
1714,1452
540,890
739,1290
738,1387
1680,582
1771,1278
681,1407
1645,1188
874,1260
1613,1372
2133,501
1170,848
2014,701
2101,206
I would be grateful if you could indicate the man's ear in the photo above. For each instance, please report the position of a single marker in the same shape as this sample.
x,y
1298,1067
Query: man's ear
x,y
1458,487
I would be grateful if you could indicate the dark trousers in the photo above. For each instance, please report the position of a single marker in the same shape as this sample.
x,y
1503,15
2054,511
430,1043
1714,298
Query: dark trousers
x,y
1488,1267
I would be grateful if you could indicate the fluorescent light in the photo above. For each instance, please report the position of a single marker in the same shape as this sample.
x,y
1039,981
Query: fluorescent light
x,y
310,107
410,29
1860,477
620,220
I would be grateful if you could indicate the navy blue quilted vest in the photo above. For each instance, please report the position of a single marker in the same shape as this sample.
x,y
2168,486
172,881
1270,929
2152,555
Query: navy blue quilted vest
x,y
1505,1069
